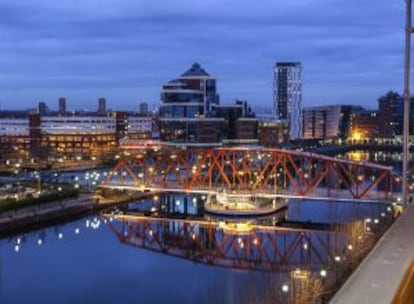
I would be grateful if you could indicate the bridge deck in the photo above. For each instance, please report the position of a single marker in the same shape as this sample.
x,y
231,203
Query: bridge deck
x,y
379,276
319,194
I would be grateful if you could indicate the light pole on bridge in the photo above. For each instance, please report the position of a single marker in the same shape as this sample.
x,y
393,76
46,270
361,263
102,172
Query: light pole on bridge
x,y
407,99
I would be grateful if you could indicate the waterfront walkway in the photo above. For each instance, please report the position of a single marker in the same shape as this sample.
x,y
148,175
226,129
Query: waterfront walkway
x,y
379,276
33,214
42,209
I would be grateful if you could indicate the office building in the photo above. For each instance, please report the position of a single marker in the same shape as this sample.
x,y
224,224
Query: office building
x,y
287,94
364,125
186,105
68,137
240,123
191,114
189,96
328,121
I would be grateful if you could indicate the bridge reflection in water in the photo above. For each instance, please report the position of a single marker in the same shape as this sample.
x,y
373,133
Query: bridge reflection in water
x,y
234,245
301,257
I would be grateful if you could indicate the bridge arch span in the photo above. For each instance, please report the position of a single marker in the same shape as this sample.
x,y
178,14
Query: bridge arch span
x,y
254,170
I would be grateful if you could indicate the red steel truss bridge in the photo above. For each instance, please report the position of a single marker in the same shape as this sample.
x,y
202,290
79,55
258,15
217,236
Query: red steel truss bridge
x,y
265,171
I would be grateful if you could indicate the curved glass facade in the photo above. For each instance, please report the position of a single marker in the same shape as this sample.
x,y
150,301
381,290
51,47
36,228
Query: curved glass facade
x,y
180,111
179,96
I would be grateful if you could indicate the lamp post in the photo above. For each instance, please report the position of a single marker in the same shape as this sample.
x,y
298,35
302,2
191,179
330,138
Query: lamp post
x,y
39,183
407,98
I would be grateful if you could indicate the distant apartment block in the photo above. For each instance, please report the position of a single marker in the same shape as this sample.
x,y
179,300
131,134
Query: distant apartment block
x,y
272,133
68,137
391,115
287,95
62,106
246,128
101,105
364,125
42,108
143,108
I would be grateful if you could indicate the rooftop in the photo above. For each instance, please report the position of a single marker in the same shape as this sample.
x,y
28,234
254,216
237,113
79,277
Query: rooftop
x,y
378,277
195,71
288,64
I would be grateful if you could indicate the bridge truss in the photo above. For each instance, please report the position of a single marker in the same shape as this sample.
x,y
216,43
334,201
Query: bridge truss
x,y
258,170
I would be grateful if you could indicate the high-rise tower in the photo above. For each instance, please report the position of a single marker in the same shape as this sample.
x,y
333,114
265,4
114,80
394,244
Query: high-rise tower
x,y
62,106
287,93
101,105
143,108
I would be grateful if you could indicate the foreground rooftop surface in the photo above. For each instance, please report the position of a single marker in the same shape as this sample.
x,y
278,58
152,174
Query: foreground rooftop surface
x,y
379,276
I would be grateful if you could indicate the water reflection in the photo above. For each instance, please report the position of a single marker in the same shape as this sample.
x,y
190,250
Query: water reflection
x,y
237,245
301,264
300,256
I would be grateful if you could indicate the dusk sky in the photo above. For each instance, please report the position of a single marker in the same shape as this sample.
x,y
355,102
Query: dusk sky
x,y
352,50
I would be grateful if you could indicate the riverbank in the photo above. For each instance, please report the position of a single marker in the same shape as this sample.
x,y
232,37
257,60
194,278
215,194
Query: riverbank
x,y
36,214
19,196
30,217
57,166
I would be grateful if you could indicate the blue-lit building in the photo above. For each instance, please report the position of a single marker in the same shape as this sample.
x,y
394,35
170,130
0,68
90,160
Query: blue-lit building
x,y
191,95
191,114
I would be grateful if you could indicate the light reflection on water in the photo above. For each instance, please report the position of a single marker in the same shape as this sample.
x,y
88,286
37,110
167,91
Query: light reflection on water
x,y
184,262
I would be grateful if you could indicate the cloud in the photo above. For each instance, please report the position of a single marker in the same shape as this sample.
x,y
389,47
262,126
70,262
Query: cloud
x,y
126,49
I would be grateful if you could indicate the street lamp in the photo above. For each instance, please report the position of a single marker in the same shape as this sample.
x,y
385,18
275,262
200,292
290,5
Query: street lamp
x,y
407,98
39,183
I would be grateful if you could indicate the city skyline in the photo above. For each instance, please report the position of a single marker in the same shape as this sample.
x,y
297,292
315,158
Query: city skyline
x,y
125,50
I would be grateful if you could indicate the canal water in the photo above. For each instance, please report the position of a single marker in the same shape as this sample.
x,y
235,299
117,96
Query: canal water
x,y
191,258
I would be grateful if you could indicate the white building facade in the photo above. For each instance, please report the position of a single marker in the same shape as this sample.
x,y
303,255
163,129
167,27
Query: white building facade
x,y
287,94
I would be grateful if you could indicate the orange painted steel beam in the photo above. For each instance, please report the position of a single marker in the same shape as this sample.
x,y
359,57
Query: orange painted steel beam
x,y
254,170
